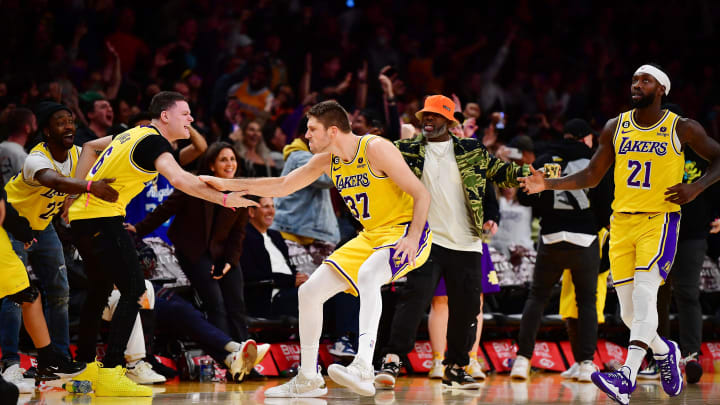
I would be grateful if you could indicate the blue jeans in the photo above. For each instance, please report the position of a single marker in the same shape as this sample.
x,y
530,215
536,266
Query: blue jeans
x,y
48,264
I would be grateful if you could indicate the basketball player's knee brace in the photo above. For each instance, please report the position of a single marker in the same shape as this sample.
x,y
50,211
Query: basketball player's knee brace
x,y
645,322
28,295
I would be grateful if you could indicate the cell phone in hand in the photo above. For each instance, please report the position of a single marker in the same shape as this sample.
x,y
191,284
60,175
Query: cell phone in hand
x,y
391,72
501,122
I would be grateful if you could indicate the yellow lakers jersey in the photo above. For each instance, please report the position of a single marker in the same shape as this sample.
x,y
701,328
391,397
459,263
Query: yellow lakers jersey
x,y
373,200
38,203
647,162
116,162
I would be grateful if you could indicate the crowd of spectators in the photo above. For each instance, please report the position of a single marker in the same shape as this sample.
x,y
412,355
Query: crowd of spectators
x,y
517,71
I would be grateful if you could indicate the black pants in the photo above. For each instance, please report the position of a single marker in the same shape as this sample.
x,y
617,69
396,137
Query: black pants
x,y
683,283
223,299
110,259
551,261
463,279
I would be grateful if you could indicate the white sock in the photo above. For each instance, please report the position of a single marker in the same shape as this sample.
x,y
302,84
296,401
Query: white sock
x,y
232,346
308,359
660,348
634,359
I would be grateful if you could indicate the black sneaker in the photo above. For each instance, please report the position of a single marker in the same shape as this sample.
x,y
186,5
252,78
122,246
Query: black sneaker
x,y
693,369
385,378
30,373
55,366
8,392
456,378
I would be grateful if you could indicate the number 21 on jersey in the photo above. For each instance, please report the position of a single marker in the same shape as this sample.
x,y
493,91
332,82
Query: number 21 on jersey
x,y
639,171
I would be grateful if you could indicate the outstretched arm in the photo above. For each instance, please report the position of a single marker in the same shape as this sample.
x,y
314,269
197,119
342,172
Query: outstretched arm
x,y
385,158
275,186
191,184
691,133
589,177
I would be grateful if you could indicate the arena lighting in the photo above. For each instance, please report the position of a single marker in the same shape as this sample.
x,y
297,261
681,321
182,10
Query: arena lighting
x,y
350,3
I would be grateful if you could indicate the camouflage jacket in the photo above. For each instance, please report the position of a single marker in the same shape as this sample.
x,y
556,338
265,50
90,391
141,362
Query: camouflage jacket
x,y
476,166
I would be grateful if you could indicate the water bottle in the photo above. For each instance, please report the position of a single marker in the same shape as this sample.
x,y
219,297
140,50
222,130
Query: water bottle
x,y
206,371
80,387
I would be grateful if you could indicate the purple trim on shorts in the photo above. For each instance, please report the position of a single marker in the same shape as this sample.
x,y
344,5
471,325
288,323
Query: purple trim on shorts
x,y
341,271
395,266
668,245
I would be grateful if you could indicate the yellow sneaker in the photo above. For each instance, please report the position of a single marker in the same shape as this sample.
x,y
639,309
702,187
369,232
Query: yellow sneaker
x,y
474,368
261,352
112,382
90,374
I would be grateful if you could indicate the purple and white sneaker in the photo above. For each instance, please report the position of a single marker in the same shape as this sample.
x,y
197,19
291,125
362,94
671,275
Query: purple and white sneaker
x,y
670,374
615,385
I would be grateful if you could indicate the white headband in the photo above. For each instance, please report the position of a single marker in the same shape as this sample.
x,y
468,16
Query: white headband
x,y
658,74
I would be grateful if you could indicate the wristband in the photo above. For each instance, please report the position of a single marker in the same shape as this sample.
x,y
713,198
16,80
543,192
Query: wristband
x,y
87,200
225,202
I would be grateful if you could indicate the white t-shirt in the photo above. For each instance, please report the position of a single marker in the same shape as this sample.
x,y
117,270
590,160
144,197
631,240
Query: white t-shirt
x,y
449,218
515,226
277,260
12,156
37,161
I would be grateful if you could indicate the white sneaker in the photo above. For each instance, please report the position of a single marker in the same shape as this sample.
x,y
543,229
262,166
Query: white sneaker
x,y
475,369
143,373
437,370
521,368
261,352
243,360
571,373
359,377
14,374
299,386
585,370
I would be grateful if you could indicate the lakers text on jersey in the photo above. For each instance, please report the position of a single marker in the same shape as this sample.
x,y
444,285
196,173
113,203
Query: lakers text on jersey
x,y
384,210
648,160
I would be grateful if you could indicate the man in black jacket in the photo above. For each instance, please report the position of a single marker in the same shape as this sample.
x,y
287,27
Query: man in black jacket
x,y
570,221
271,281
683,282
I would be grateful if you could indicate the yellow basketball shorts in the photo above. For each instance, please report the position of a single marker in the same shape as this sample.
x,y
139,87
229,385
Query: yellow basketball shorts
x,y
350,256
641,241
13,276
568,305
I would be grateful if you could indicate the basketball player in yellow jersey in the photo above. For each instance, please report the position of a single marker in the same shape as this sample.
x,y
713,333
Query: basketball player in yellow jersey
x,y
645,144
132,158
391,203
38,192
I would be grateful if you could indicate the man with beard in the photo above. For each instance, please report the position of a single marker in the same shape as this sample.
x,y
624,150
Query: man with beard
x,y
391,204
38,192
646,146
455,171
99,114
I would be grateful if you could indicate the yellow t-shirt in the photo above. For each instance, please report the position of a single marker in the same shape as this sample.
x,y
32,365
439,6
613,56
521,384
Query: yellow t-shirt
x,y
648,160
116,162
373,200
37,203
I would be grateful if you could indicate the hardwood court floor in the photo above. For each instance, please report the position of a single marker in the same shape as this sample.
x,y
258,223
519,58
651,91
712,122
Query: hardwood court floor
x,y
543,388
